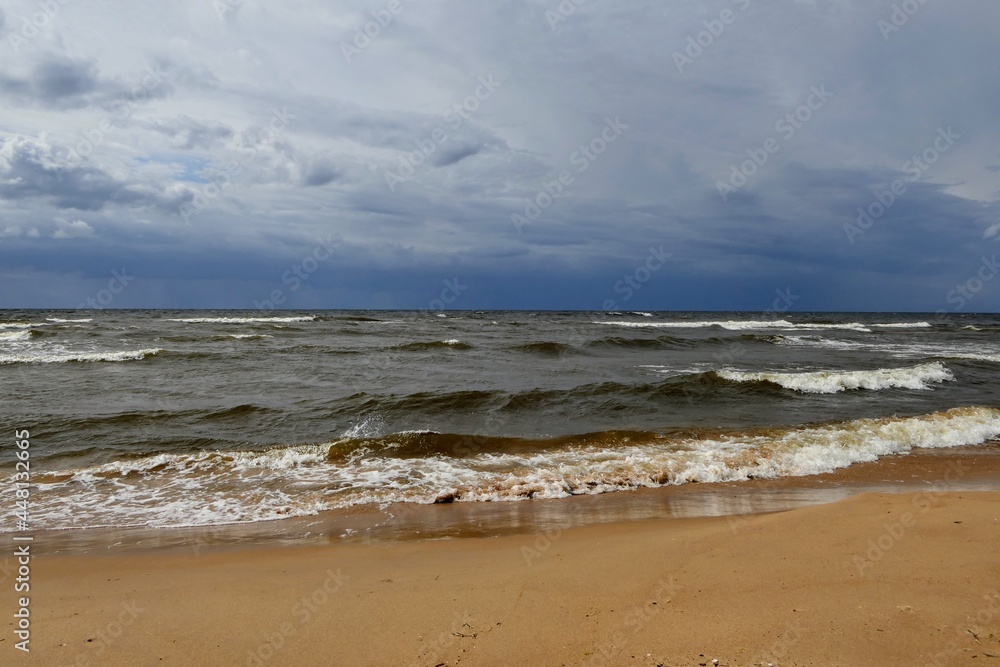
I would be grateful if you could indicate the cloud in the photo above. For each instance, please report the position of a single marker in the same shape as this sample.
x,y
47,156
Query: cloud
x,y
34,168
55,82
186,133
321,173
63,83
453,154
72,230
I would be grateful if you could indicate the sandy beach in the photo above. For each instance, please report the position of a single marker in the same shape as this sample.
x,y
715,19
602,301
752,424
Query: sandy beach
x,y
887,579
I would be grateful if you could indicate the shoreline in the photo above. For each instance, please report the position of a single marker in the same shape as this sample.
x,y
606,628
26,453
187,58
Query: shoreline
x,y
888,579
973,468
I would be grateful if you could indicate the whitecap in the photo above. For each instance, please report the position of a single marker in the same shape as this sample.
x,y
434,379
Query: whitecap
x,y
832,382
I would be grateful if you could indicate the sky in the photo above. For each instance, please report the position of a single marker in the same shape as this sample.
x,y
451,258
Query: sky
x,y
803,155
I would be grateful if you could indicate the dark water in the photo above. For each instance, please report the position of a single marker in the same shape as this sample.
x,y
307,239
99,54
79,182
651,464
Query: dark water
x,y
168,418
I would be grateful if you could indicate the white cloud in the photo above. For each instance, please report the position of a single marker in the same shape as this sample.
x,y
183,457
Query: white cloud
x,y
72,230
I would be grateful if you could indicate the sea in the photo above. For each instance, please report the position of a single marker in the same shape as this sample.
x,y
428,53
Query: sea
x,y
164,419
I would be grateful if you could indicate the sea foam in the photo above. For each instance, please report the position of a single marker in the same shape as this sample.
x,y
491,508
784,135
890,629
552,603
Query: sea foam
x,y
241,320
832,382
740,325
16,336
63,356
217,487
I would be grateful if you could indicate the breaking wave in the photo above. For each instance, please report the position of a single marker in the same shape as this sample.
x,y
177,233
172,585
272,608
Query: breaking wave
x,y
64,356
215,487
741,325
242,320
832,382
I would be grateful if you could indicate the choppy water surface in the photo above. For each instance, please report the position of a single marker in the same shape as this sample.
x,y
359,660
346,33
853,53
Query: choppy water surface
x,y
168,418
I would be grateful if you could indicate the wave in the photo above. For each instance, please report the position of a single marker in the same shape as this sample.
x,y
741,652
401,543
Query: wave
x,y
903,325
452,344
742,325
832,382
242,320
816,341
613,398
200,338
20,325
694,375
613,395
992,358
16,336
241,411
64,356
901,350
774,339
546,348
418,444
618,397
215,487
429,402
193,338
661,342
357,318
62,321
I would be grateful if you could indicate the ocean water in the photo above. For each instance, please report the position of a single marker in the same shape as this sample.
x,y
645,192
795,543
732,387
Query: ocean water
x,y
174,418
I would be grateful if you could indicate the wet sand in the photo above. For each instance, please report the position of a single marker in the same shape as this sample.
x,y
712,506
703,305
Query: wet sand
x,y
909,578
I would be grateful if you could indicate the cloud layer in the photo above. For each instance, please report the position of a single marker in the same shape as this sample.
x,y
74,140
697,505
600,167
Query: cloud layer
x,y
535,151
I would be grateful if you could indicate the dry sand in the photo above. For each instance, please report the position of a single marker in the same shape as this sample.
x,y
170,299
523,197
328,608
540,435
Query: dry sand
x,y
877,579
